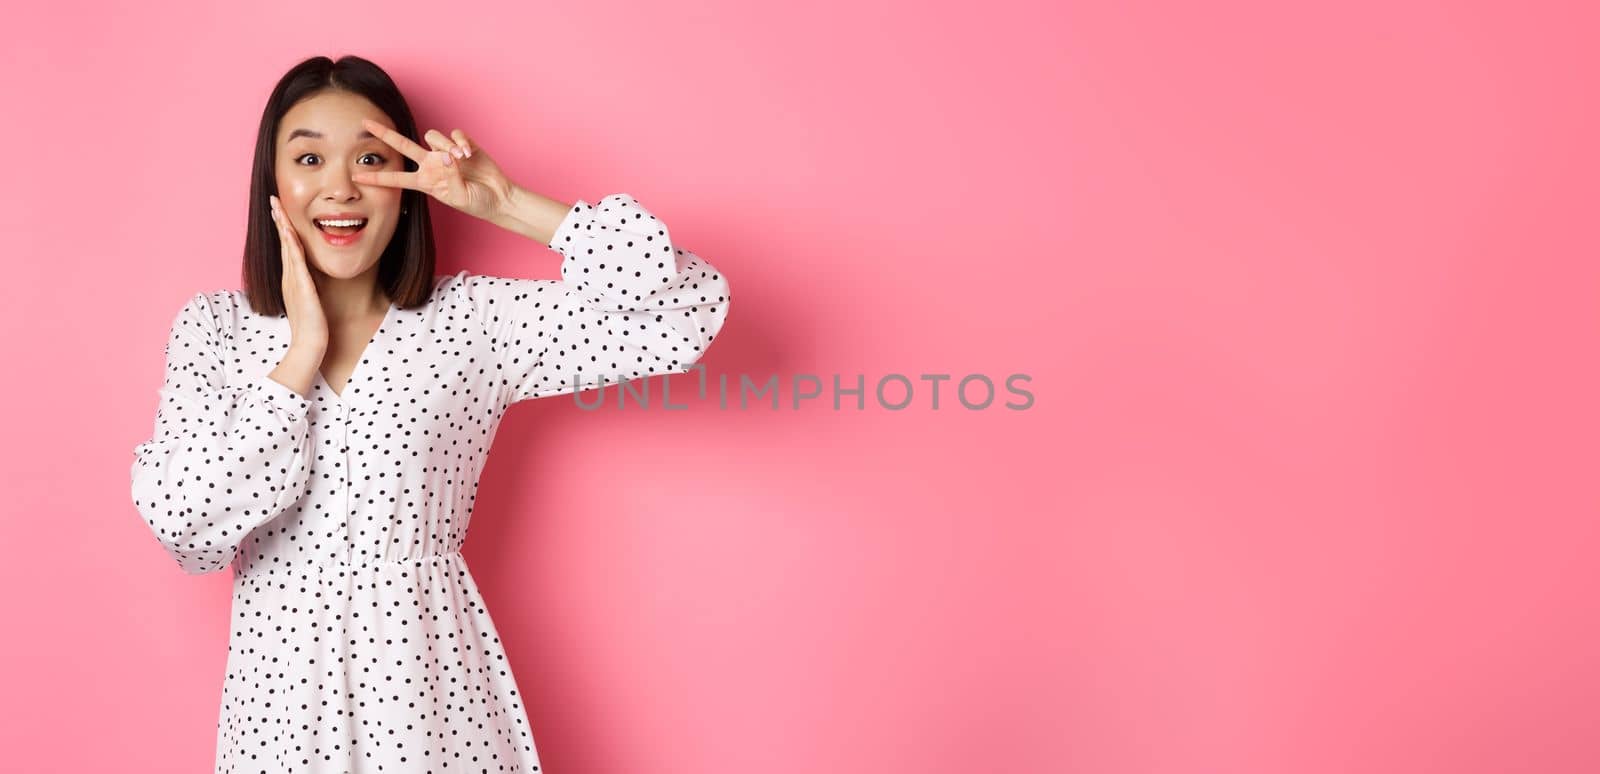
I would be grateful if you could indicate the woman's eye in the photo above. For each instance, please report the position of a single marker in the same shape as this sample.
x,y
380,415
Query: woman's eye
x,y
380,159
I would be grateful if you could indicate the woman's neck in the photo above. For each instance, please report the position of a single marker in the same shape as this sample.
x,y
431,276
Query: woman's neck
x,y
355,298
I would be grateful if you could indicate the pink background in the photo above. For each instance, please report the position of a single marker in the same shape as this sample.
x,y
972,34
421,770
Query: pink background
x,y
1309,299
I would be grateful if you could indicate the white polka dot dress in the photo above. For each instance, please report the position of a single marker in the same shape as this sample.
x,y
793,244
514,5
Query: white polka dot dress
x,y
358,641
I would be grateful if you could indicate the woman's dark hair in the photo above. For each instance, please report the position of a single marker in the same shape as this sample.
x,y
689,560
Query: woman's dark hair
x,y
405,270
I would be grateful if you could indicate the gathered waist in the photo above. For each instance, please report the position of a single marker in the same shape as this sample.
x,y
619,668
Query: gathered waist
x,y
339,566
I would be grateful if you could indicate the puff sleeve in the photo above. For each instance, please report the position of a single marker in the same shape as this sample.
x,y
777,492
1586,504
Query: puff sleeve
x,y
223,458
630,303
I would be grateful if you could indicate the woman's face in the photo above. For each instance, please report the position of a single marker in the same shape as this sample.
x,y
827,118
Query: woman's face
x,y
320,143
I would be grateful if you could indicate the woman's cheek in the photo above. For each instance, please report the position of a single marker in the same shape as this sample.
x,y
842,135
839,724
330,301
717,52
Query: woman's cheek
x,y
292,190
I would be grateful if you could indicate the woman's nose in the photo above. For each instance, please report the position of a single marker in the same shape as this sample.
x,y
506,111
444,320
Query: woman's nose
x,y
338,185
341,189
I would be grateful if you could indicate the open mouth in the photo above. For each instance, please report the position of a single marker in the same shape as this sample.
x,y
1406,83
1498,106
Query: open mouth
x,y
341,227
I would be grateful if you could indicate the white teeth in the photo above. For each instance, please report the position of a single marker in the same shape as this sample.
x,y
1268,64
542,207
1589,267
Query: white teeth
x,y
342,222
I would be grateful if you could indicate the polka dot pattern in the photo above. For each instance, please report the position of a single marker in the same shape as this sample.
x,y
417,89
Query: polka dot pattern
x,y
359,641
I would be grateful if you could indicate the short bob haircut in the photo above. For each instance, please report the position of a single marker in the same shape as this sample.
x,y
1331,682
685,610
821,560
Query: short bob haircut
x,y
405,270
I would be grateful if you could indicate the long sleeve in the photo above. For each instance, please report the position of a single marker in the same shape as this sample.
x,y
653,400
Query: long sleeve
x,y
629,304
224,458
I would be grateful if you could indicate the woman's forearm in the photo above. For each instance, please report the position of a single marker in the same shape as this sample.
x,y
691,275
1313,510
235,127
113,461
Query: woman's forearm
x,y
298,369
530,214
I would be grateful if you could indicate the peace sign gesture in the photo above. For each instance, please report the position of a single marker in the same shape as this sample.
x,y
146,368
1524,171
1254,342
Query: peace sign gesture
x,y
455,172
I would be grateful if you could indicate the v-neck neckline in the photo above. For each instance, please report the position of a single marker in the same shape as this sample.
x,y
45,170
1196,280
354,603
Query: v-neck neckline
x,y
355,371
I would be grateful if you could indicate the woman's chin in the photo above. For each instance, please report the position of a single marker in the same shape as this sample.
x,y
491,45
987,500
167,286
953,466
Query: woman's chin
x,y
342,266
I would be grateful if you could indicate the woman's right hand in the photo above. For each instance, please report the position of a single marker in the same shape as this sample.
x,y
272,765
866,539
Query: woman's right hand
x,y
308,326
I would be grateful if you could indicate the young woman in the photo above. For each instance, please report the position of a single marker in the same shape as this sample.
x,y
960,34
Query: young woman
x,y
321,431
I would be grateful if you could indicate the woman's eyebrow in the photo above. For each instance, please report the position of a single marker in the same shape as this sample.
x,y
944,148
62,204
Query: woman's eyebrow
x,y
315,135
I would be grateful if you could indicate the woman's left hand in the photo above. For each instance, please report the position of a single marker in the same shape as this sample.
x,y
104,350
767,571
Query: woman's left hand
x,y
455,172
